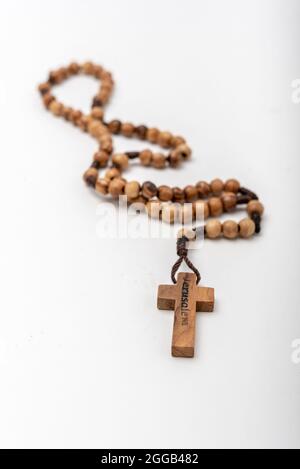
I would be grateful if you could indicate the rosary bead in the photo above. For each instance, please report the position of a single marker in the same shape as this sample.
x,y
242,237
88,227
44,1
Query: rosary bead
x,y
88,68
158,160
176,141
247,228
132,189
186,213
215,206
232,185
95,128
169,213
203,189
216,186
213,229
191,193
91,176
47,99
44,88
254,206
102,186
73,68
184,151
164,139
145,157
174,158
149,190
141,132
153,208
201,210
116,187
127,129
152,135
165,193
114,126
106,144
230,229
112,173
178,194
229,200
97,113
56,108
120,160
102,158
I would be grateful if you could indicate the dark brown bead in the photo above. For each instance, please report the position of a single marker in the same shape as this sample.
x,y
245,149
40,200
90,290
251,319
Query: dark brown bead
x,y
97,102
91,176
149,190
178,194
114,126
141,131
132,154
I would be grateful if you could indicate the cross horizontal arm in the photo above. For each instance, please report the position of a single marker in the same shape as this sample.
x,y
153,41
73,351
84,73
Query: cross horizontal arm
x,y
167,295
205,298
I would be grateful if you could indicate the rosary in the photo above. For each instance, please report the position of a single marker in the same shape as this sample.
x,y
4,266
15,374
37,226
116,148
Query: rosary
x,y
212,199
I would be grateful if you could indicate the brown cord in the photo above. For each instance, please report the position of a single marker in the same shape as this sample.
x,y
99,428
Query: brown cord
x,y
182,252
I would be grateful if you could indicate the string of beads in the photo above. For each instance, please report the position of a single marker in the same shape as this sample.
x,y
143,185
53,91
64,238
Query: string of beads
x,y
163,202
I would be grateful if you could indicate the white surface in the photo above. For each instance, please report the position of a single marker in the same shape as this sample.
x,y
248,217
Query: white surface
x,y
84,353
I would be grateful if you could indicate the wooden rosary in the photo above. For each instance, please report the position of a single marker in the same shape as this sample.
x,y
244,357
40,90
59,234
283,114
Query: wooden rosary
x,y
163,202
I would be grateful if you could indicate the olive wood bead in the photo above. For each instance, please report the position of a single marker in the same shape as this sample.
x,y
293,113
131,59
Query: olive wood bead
x,y
247,228
216,186
178,194
232,185
158,160
165,193
170,213
229,200
254,206
149,190
112,173
102,186
152,135
230,229
132,189
116,187
102,158
127,129
164,139
187,233
203,189
215,206
145,157
213,229
120,160
191,193
153,208
91,176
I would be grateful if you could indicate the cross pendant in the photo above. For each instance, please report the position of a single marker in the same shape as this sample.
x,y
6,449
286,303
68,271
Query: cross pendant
x,y
185,298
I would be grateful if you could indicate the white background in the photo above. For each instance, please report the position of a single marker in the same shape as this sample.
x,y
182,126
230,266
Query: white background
x,y
84,353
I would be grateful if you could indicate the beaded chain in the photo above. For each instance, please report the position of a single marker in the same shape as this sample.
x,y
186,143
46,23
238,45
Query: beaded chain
x,y
161,202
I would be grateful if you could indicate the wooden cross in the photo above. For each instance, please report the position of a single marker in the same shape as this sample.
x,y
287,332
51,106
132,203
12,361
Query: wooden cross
x,y
185,298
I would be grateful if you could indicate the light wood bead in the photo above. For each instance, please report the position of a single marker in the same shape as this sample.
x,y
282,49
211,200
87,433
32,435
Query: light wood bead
x,y
229,201
170,213
213,229
216,186
175,159
247,228
203,189
112,173
153,208
127,129
152,135
106,144
56,108
97,113
165,193
158,161
215,206
232,185
145,157
177,140
230,229
116,187
102,158
184,150
201,210
95,128
191,193
164,139
187,233
139,200
132,189
90,176
88,68
102,186
120,160
149,190
254,206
